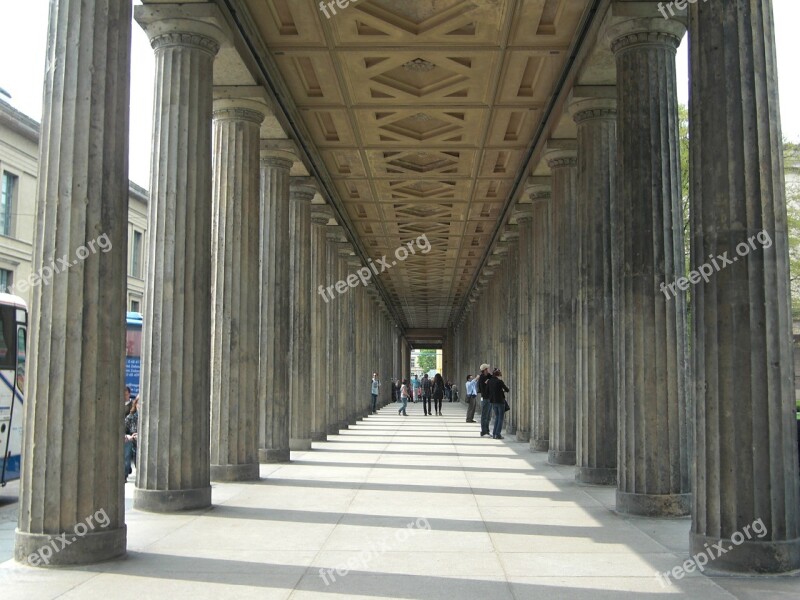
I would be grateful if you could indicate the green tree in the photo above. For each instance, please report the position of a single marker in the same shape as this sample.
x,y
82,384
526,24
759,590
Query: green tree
x,y
426,360
791,158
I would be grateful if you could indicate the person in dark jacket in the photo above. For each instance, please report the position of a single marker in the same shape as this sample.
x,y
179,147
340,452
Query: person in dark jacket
x,y
427,391
438,393
497,396
486,407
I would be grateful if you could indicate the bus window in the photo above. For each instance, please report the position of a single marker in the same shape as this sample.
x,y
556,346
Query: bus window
x,y
8,335
21,345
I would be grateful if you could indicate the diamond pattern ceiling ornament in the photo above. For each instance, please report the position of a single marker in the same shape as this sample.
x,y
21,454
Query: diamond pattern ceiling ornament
x,y
421,111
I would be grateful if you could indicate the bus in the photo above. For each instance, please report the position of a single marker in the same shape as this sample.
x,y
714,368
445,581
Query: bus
x,y
133,351
13,345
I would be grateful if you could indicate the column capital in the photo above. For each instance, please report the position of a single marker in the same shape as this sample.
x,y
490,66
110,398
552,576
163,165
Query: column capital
x,y
561,153
538,188
242,102
510,233
302,189
645,31
278,153
321,214
200,25
523,213
592,102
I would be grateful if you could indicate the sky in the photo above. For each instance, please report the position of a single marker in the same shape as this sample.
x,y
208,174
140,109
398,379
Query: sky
x,y
23,51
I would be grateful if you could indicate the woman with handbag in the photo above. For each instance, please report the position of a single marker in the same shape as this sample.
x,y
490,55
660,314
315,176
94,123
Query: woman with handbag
x,y
405,392
497,396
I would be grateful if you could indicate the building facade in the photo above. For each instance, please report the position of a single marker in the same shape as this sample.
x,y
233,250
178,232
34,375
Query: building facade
x,y
19,170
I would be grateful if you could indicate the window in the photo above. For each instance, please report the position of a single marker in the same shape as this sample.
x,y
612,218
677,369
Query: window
x,y
9,185
136,306
6,281
136,255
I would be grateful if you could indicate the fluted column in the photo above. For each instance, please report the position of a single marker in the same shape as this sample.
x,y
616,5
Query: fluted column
x,y
647,249
745,434
542,333
320,378
235,289
563,407
597,400
334,236
76,353
174,423
301,193
352,368
342,332
274,336
524,354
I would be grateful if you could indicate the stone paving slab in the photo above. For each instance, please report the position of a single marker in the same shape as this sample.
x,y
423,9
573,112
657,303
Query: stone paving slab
x,y
414,508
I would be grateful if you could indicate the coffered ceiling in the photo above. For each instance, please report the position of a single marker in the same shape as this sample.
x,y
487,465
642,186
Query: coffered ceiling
x,y
422,112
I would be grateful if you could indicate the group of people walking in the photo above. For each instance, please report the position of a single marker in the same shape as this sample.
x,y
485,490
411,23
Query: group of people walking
x,y
428,390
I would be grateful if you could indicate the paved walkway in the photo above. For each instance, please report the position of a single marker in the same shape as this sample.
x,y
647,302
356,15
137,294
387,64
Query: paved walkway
x,y
413,507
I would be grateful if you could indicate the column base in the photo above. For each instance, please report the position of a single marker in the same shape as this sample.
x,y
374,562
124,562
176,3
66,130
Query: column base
x,y
561,457
271,455
343,425
299,445
248,472
750,557
596,475
511,429
540,445
93,547
654,505
167,501
523,436
352,421
319,436
333,429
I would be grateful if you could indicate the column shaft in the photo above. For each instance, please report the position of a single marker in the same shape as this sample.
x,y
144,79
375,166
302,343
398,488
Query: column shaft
x,y
300,364
650,331
524,354
174,425
275,322
75,355
235,289
320,378
746,440
565,275
542,323
597,401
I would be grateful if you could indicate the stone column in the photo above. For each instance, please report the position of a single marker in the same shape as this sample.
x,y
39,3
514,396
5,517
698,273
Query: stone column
x,y
235,289
334,236
320,300
275,322
745,434
542,333
75,357
650,329
524,354
342,328
174,423
596,394
301,193
355,387
561,157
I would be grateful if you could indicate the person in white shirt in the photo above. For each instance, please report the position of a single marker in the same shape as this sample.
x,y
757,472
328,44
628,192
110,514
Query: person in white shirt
x,y
472,393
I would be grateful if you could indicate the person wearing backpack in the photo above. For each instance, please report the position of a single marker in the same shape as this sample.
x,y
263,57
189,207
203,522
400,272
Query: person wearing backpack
x,y
486,407
438,393
426,394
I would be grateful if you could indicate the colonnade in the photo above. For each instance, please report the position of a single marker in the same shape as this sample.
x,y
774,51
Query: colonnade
x,y
685,420
244,360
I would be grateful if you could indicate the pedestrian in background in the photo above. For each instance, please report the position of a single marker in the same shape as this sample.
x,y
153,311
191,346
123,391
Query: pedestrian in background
x,y
472,392
405,392
438,393
376,384
486,406
497,396
427,388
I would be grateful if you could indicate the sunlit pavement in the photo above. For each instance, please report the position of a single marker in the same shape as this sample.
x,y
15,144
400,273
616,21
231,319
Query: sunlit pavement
x,y
404,507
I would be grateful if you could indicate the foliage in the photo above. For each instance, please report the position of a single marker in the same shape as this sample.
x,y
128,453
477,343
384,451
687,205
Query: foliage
x,y
426,360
